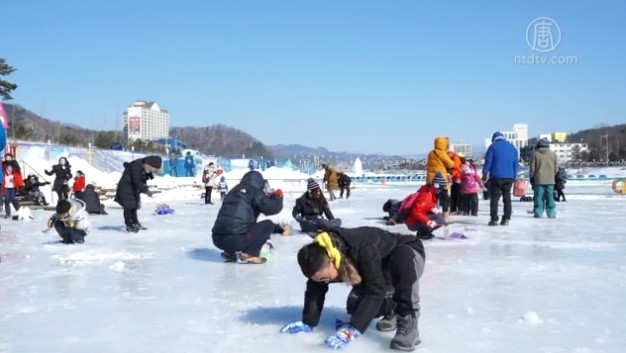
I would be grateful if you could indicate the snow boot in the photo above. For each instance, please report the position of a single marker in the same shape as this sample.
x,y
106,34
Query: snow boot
x,y
407,335
132,229
387,323
139,226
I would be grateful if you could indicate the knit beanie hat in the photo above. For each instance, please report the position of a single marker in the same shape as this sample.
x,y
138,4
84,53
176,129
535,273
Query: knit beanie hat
x,y
153,161
439,181
311,184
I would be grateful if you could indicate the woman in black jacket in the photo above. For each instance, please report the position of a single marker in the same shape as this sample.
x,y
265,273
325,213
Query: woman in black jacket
x,y
371,260
62,174
132,184
310,209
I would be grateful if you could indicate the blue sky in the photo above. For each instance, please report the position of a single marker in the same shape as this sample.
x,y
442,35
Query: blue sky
x,y
350,75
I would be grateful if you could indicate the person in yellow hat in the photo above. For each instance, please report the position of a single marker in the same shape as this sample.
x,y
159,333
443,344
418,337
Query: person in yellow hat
x,y
384,270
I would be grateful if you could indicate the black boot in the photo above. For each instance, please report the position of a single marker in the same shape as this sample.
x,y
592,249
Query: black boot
x,y
140,227
132,229
387,323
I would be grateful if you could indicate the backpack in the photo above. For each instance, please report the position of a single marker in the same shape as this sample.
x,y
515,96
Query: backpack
x,y
519,188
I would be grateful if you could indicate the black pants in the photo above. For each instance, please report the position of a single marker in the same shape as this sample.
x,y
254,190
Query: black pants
x,y
207,194
316,224
346,187
444,200
404,267
63,192
455,197
130,217
424,229
69,235
497,188
558,195
249,243
470,204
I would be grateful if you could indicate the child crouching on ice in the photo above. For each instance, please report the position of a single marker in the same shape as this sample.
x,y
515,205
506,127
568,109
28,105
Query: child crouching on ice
x,y
70,221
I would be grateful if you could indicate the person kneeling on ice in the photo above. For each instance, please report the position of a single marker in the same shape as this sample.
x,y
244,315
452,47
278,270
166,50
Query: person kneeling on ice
x,y
310,209
424,216
70,221
236,230
371,260
92,200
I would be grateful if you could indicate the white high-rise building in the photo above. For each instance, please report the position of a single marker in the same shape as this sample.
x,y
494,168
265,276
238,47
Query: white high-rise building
x,y
146,121
518,137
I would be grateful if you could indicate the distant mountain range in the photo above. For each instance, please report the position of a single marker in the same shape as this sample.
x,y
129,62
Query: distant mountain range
x,y
222,140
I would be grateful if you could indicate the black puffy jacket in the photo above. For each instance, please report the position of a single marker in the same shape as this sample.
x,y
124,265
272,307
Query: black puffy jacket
x,y
308,209
132,183
243,204
368,248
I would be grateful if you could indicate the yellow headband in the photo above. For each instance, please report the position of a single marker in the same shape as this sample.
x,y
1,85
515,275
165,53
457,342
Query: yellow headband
x,y
324,240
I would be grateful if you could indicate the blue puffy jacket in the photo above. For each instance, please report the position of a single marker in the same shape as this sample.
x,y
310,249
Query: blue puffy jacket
x,y
501,160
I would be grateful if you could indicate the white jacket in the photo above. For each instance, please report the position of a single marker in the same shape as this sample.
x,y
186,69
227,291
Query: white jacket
x,y
78,215
211,174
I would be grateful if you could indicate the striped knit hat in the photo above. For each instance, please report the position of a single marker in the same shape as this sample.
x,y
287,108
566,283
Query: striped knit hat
x,y
439,181
311,184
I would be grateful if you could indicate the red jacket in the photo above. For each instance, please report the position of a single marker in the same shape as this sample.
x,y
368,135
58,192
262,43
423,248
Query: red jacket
x,y
17,181
79,183
425,201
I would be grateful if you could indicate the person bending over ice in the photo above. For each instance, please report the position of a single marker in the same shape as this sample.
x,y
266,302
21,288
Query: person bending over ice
x,y
371,260
236,230
424,216
70,221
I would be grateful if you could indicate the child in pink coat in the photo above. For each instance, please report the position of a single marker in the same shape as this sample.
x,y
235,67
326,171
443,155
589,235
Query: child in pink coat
x,y
471,184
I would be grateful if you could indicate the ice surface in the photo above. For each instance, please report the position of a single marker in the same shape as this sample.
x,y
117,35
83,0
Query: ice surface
x,y
538,285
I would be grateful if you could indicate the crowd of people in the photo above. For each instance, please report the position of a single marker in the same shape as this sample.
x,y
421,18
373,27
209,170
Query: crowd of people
x,y
382,267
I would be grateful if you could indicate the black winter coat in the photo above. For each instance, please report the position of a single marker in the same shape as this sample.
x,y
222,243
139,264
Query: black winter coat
x,y
343,180
243,204
62,174
308,208
91,200
368,249
132,183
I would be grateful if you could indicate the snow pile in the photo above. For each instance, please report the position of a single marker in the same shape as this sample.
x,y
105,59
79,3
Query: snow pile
x,y
531,318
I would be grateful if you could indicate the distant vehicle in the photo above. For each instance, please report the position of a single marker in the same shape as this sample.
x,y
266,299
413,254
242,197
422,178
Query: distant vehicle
x,y
117,146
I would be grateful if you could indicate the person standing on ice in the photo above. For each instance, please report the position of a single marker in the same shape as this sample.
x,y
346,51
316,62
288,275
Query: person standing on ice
x,y
344,184
209,176
371,260
189,165
440,162
543,169
499,173
62,174
311,208
236,230
132,184
331,181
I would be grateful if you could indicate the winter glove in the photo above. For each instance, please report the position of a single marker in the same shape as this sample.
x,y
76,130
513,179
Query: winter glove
x,y
296,327
485,177
391,222
435,210
344,336
278,192
432,224
46,183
